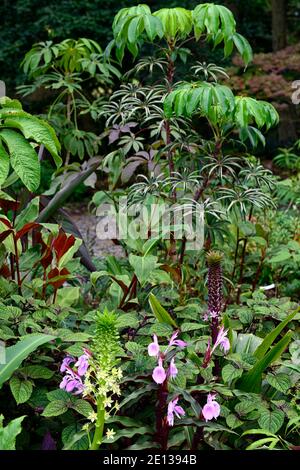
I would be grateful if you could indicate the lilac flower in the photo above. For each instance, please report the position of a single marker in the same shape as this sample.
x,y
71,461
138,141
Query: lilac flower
x,y
222,340
211,409
173,408
176,342
72,383
82,364
173,371
153,348
159,374
66,363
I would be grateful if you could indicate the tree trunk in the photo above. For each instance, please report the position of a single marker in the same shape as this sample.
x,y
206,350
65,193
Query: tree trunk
x,y
279,24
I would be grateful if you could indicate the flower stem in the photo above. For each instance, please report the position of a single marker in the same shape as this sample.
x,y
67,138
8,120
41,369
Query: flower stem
x,y
99,425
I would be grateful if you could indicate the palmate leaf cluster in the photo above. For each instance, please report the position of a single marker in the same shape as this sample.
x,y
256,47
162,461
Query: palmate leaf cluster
x,y
132,26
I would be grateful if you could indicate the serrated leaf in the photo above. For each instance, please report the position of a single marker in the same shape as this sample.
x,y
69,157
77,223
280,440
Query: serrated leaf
x,y
21,389
55,408
271,420
281,382
23,158
83,407
229,373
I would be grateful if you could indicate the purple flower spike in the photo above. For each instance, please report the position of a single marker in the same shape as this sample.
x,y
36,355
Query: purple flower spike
x,y
173,408
82,364
66,363
153,348
159,374
173,371
211,409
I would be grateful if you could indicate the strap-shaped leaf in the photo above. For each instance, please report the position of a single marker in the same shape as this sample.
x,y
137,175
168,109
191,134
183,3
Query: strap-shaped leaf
x,y
16,354
251,380
160,313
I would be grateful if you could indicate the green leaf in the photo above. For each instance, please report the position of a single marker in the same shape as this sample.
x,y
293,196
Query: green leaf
x,y
143,266
29,214
16,354
229,373
9,433
55,408
36,372
271,337
271,420
233,421
39,131
83,407
251,380
23,158
281,382
4,165
21,389
160,313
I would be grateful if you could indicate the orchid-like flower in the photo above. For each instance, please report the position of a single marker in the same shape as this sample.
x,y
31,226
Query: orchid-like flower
x,y
173,408
173,371
72,383
222,340
176,342
82,364
159,374
66,363
153,348
211,409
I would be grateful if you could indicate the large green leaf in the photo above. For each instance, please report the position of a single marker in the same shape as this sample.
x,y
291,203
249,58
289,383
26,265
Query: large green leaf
x,y
160,313
271,337
39,131
251,380
23,158
4,165
20,351
143,266
9,433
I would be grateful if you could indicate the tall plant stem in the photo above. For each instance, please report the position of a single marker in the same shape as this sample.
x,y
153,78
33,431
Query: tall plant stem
x,y
97,439
162,428
16,257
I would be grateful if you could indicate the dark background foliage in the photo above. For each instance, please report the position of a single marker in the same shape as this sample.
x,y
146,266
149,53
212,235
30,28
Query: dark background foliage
x,y
24,22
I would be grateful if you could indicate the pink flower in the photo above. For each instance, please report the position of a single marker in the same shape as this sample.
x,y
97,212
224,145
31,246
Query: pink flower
x,y
173,408
159,374
66,363
153,348
72,383
211,409
222,340
173,371
82,364
176,342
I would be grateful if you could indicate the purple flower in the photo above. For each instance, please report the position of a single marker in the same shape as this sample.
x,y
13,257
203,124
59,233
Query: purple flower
x,y
159,374
66,363
82,364
176,342
72,383
173,371
153,348
222,340
211,409
173,408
